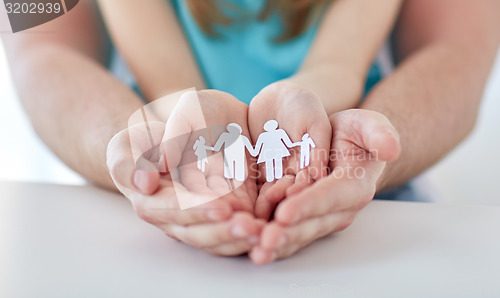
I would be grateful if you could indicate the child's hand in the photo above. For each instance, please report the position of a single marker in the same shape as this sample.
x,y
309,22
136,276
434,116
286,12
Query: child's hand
x,y
298,111
363,141
224,226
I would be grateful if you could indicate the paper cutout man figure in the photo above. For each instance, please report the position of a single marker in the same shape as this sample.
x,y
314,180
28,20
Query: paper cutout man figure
x,y
200,150
234,151
305,150
272,150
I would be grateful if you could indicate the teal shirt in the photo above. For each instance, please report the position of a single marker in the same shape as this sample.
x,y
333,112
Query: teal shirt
x,y
245,59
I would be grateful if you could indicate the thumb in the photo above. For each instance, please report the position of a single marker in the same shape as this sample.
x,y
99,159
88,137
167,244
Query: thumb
x,y
128,175
368,130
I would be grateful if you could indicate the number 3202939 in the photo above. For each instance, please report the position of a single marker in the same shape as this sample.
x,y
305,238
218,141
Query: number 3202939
x,y
34,8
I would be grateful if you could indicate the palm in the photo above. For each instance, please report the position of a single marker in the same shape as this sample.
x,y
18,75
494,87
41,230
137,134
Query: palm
x,y
298,112
204,114
362,142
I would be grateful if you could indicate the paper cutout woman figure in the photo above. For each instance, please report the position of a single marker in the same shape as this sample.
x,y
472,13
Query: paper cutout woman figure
x,y
234,151
272,150
305,150
200,150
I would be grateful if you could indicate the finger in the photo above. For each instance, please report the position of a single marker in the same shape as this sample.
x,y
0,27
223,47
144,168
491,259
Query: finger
x,y
335,225
277,237
296,188
302,180
260,256
369,130
278,242
277,191
245,196
123,168
230,249
320,131
263,207
325,196
242,226
273,236
146,182
164,208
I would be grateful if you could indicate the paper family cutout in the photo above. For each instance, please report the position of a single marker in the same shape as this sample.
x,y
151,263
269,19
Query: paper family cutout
x,y
271,147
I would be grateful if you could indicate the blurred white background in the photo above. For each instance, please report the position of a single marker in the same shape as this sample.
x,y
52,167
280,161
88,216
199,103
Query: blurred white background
x,y
470,174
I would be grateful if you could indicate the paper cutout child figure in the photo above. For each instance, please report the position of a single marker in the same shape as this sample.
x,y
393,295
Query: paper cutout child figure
x,y
200,150
272,150
234,151
305,150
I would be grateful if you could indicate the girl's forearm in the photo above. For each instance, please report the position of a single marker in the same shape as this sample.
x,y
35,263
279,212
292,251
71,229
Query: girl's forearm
x,y
352,32
348,39
338,88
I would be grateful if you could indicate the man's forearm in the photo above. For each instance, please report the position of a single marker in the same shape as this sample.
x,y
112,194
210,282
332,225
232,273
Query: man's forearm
x,y
432,99
75,105
447,48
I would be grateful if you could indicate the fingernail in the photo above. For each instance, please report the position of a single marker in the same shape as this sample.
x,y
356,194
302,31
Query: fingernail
x,y
140,180
238,231
274,255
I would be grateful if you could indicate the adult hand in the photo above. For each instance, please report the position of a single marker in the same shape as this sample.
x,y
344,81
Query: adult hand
x,y
223,224
298,111
363,141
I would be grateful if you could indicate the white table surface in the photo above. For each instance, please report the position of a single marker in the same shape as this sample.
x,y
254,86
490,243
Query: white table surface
x,y
72,241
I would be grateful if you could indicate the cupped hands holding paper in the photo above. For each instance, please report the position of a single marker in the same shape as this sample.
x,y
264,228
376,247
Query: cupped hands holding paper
x,y
154,165
200,185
